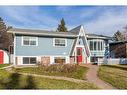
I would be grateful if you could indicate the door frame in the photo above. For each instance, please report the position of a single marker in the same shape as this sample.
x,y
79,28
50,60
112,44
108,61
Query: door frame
x,y
80,55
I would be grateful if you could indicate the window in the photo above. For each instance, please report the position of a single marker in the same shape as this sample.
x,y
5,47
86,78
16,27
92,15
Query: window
x,y
95,45
29,60
59,42
79,52
29,41
91,45
99,45
60,60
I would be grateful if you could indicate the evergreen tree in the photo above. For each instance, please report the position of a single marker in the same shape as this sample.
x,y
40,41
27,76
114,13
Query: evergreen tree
x,y
119,36
61,26
5,39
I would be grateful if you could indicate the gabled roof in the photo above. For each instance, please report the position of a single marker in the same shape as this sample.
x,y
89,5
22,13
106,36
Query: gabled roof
x,y
75,30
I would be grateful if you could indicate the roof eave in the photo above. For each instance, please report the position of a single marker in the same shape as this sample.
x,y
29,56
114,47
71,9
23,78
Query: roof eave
x,y
95,37
42,34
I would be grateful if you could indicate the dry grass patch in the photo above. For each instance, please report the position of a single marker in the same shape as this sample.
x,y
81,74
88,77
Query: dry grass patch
x,y
66,70
18,81
114,75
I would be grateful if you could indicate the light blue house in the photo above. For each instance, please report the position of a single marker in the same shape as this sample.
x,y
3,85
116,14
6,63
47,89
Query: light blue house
x,y
50,47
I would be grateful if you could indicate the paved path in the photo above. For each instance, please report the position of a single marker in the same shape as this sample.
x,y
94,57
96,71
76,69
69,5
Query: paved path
x,y
92,77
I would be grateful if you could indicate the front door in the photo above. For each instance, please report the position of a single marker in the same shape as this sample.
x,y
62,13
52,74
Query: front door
x,y
1,57
79,54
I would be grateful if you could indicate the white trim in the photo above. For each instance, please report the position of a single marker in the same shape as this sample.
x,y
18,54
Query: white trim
x,y
14,49
29,44
82,33
61,39
83,30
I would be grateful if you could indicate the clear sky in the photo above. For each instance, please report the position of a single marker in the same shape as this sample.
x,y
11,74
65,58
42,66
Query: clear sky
x,y
96,19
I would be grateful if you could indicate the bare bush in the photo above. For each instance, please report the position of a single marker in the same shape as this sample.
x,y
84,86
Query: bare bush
x,y
58,68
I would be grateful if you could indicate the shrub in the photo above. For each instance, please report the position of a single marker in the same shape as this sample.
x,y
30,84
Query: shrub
x,y
58,68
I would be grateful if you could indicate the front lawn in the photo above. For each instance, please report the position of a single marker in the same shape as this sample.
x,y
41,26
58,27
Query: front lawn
x,y
116,75
18,81
4,65
76,72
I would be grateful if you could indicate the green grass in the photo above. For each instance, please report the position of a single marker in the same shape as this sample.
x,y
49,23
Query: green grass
x,y
116,75
17,81
4,65
122,67
78,74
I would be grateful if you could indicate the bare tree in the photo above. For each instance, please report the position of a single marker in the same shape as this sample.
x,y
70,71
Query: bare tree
x,y
6,39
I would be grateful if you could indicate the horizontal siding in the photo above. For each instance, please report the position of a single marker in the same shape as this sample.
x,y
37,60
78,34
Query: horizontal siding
x,y
45,47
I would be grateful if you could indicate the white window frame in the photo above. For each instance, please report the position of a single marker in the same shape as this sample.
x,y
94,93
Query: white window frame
x,y
60,39
30,39
97,40
29,59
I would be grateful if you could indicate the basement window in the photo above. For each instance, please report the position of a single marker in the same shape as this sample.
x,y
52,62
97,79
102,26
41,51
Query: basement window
x,y
60,60
29,60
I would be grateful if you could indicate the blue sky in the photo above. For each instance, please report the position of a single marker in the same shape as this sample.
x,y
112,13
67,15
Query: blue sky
x,y
96,19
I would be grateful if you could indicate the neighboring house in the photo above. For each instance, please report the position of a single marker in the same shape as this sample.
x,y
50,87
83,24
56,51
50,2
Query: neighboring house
x,y
118,49
4,57
49,47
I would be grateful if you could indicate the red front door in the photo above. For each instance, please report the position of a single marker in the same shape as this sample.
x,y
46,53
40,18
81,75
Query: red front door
x,y
79,54
1,57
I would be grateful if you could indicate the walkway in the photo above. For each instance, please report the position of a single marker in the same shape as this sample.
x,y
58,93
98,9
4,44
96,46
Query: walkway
x,y
92,77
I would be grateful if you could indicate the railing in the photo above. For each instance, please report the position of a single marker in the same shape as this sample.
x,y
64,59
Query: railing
x,y
115,61
97,53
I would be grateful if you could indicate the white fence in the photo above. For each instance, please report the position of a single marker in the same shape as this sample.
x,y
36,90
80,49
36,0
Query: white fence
x,y
11,58
115,61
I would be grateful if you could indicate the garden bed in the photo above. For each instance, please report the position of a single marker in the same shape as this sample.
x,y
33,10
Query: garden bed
x,y
72,71
18,81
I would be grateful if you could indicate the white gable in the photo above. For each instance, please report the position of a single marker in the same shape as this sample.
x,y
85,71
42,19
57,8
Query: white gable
x,y
81,38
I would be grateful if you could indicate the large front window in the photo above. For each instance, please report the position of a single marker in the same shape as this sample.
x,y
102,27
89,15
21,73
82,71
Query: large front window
x,y
96,45
59,42
29,41
29,60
